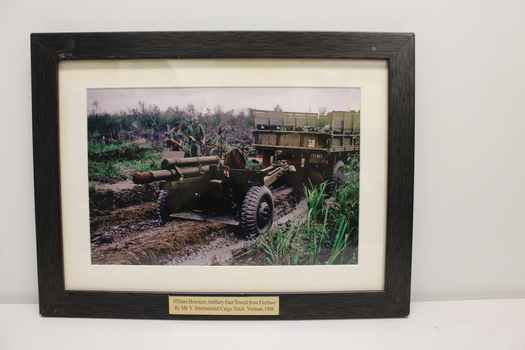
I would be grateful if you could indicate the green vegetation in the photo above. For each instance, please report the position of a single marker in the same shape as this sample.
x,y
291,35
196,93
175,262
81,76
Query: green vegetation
x,y
321,123
116,161
327,234
93,189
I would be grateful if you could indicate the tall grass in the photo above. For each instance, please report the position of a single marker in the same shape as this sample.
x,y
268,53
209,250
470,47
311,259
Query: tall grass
x,y
326,234
281,248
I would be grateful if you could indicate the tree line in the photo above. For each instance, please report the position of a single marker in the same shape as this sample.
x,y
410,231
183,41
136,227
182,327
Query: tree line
x,y
151,118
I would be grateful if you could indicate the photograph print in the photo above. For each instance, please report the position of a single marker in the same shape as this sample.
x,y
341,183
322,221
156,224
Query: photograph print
x,y
224,176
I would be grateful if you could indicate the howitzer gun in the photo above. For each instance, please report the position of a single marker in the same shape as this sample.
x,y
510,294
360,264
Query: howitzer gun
x,y
207,188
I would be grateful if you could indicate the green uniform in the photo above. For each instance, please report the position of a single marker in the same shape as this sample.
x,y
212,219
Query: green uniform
x,y
216,152
198,133
177,135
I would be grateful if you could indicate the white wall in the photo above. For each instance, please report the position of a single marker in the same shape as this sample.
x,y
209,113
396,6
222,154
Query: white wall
x,y
470,77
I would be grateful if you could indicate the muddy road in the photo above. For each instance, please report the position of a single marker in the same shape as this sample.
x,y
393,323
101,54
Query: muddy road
x,y
126,233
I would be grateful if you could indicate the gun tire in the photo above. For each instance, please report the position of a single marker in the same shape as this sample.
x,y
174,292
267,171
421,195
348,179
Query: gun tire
x,y
257,211
162,207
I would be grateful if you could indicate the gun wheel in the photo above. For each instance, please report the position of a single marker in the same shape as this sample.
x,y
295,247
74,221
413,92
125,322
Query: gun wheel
x,y
257,211
162,207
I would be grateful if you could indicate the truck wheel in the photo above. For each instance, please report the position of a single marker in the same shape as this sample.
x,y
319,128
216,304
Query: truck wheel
x,y
257,211
338,176
162,207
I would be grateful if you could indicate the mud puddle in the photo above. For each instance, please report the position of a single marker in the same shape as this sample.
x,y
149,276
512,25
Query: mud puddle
x,y
217,252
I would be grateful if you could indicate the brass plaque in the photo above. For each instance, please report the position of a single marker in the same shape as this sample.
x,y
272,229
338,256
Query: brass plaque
x,y
224,306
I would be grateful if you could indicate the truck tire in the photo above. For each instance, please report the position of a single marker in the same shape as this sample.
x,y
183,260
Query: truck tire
x,y
162,207
257,211
337,176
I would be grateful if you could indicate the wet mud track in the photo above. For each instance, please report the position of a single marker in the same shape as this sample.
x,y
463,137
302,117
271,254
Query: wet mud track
x,y
133,235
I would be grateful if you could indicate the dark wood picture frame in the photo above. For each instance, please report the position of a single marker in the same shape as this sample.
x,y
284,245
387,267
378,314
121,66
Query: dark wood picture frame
x,y
47,49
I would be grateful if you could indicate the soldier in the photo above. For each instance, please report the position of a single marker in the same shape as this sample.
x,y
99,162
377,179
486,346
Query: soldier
x,y
176,137
216,151
197,138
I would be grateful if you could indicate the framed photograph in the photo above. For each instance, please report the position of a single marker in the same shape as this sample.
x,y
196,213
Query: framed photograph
x,y
223,175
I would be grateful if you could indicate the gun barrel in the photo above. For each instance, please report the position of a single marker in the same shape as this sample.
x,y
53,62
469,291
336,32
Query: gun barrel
x,y
194,171
146,177
170,163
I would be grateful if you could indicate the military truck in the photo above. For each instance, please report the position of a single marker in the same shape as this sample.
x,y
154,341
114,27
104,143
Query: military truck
x,y
317,146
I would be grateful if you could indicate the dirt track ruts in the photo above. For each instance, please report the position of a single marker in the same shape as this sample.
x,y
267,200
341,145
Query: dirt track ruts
x,y
133,236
